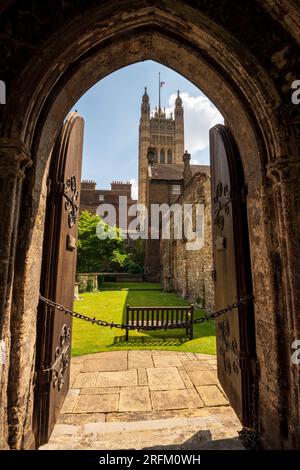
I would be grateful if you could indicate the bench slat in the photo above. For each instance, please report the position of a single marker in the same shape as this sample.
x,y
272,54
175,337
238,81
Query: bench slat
x,y
158,316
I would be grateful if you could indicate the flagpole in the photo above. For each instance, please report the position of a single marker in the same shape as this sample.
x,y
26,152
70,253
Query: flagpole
x,y
159,91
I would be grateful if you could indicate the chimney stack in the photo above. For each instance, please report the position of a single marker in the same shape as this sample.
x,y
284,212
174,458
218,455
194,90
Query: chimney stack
x,y
187,172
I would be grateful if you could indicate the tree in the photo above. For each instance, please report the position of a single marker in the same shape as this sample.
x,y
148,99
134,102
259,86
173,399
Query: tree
x,y
95,255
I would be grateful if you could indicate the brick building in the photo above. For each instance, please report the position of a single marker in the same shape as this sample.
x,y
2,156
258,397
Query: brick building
x,y
92,198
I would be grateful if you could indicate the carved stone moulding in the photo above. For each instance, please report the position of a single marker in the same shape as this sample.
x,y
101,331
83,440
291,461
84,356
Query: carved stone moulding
x,y
14,158
284,169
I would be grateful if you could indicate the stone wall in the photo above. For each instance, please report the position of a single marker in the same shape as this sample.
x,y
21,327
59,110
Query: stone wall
x,y
189,272
87,282
159,192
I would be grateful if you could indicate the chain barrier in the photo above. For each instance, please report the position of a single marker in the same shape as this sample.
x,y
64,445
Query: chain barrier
x,y
210,316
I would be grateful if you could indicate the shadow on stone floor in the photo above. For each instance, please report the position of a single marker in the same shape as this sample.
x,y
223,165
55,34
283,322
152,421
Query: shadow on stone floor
x,y
202,440
148,341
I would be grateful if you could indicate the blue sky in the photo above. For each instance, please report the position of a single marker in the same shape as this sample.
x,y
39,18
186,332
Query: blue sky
x,y
111,110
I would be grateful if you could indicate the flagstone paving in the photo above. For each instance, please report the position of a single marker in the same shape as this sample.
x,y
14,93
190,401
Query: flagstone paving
x,y
144,387
142,381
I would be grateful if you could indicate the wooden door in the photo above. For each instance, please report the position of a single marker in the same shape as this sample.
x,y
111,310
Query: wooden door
x,y
232,275
58,277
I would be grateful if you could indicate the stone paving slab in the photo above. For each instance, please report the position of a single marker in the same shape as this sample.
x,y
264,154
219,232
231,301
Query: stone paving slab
x,y
132,386
99,390
140,359
202,377
96,403
102,364
134,399
106,355
196,365
213,364
191,356
70,400
77,360
174,400
124,378
79,418
195,397
142,377
167,360
165,379
225,411
157,352
85,379
75,369
211,395
186,380
204,357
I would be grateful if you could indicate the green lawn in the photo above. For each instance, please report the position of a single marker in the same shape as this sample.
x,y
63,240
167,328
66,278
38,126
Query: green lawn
x,y
109,305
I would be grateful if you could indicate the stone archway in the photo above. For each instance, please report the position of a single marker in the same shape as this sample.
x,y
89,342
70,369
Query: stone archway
x,y
85,49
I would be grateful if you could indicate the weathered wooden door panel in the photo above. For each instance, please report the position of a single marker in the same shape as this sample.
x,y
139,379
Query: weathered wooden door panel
x,y
232,274
58,276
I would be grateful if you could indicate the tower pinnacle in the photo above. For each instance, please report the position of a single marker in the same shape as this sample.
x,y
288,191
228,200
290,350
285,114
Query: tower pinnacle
x,y
145,106
178,101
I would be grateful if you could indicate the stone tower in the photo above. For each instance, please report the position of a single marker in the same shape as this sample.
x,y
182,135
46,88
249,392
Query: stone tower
x,y
165,134
144,144
179,130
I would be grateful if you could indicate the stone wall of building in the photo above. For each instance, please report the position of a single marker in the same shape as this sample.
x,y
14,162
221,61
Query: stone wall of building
x,y
159,191
187,271
164,185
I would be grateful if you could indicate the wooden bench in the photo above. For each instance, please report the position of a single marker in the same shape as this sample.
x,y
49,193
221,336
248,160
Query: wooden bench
x,y
158,316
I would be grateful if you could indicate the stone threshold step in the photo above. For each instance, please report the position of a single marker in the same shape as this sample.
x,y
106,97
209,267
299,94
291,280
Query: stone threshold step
x,y
78,419
206,432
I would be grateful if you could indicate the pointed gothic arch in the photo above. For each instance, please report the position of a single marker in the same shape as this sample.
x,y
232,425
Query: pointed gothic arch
x,y
85,49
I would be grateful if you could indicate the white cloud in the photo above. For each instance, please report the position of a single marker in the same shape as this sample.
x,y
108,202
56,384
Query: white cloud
x,y
199,116
134,188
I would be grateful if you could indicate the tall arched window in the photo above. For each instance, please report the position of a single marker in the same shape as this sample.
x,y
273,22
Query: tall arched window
x,y
169,156
155,155
162,156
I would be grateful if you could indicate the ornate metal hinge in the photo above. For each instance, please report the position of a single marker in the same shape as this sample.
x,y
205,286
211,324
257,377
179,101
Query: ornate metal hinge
x,y
221,201
70,192
56,373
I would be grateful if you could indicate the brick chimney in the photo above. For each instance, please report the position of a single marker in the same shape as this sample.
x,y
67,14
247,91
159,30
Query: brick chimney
x,y
88,184
120,186
187,172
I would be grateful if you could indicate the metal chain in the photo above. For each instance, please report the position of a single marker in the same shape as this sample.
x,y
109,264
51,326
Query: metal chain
x,y
242,300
